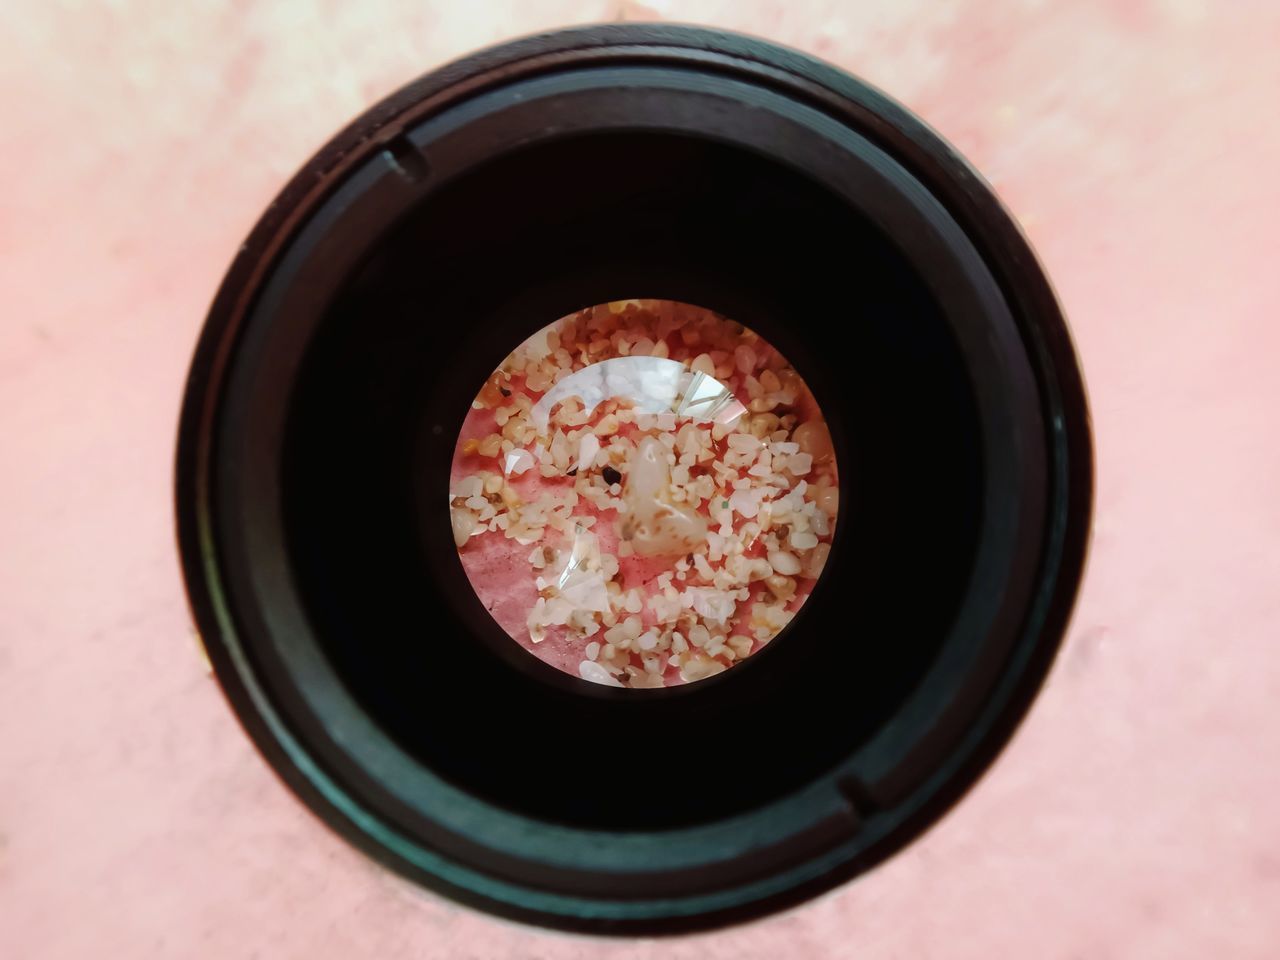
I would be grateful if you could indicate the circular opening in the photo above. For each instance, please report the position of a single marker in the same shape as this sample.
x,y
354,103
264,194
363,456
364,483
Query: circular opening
x,y
644,493
387,383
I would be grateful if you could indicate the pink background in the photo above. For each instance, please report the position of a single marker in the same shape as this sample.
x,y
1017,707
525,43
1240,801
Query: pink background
x,y
1136,813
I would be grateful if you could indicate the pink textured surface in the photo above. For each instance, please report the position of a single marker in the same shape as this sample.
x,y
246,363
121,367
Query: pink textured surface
x,y
1135,815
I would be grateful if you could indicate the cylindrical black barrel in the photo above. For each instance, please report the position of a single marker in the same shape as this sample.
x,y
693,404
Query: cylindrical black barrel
x,y
473,207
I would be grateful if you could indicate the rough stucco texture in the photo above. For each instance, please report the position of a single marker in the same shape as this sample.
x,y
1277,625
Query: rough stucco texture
x,y
1135,814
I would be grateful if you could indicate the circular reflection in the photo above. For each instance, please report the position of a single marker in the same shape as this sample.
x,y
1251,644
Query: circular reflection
x,y
643,493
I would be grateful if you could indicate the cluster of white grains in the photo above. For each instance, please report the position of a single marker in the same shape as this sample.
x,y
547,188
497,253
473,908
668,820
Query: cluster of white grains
x,y
765,482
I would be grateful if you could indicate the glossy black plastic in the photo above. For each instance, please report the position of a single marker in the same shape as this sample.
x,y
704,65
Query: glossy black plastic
x,y
472,208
